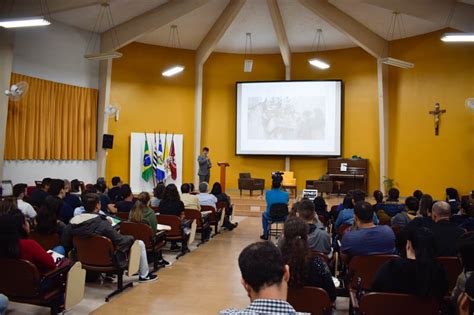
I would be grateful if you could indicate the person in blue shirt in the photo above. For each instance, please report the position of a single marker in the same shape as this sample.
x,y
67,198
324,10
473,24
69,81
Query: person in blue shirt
x,y
273,196
3,304
346,216
392,207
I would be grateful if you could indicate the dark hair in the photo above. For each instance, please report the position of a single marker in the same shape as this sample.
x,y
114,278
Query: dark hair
x,y
171,193
19,220
411,203
466,205
19,189
159,190
393,194
101,187
347,202
276,183
75,185
306,209
56,186
205,149
90,201
261,264
48,215
185,188
216,189
116,180
125,191
191,187
295,250
9,237
7,205
378,196
46,182
465,248
358,195
418,194
426,202
320,204
364,211
423,243
452,193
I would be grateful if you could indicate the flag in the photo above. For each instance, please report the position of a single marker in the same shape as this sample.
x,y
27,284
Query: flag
x,y
166,157
147,170
172,164
160,170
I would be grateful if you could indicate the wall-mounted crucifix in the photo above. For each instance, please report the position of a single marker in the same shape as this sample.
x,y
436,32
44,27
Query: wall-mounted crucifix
x,y
437,116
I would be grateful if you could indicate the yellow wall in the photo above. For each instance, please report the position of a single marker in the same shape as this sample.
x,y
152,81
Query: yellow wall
x,y
444,73
150,102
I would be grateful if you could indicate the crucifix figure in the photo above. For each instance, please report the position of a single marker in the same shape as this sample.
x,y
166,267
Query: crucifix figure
x,y
437,115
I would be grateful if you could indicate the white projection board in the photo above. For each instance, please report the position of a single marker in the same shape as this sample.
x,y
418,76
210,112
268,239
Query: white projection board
x,y
289,118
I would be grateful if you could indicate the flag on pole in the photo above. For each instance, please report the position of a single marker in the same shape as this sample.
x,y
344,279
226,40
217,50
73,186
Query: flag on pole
x,y
172,164
160,170
147,170
166,157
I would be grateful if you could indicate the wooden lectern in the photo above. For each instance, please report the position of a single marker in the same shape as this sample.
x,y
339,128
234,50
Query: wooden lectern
x,y
223,165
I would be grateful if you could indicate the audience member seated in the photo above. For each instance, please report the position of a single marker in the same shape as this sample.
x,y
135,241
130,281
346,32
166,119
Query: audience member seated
x,y
7,205
56,190
76,187
452,197
171,203
445,232
141,212
115,192
321,208
158,193
48,218
318,238
391,207
466,300
39,194
346,216
106,205
265,279
205,198
465,248
418,194
367,238
273,196
189,201
305,270
221,196
3,304
126,202
403,218
418,274
72,200
464,218
378,196
81,210
19,192
90,223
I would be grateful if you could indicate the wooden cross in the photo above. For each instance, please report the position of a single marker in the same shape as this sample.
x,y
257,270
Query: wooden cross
x,y
437,115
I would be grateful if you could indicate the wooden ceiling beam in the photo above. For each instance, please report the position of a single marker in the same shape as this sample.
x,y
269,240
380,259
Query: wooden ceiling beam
x,y
280,31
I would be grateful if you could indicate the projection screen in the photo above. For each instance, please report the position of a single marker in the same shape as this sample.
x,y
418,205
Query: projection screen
x,y
289,118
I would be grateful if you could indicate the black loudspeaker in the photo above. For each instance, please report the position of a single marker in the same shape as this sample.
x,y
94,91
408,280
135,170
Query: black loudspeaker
x,y
108,142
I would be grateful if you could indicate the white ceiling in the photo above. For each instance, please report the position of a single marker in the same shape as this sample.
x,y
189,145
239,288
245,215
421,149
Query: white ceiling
x,y
254,17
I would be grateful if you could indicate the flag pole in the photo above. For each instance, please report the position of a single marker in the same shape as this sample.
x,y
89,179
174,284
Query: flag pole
x,y
153,159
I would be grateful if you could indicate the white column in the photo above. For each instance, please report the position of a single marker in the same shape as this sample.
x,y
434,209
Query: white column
x,y
197,120
105,71
6,62
382,81
287,78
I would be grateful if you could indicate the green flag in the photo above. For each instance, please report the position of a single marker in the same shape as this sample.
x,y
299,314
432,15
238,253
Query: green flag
x,y
147,170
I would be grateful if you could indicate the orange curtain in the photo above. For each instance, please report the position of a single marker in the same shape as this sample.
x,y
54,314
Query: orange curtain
x,y
53,121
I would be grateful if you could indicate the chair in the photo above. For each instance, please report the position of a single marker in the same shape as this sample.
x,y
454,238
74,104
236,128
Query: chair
x,y
23,283
176,234
153,242
342,229
47,241
289,183
203,225
453,267
246,182
278,215
323,186
322,255
96,254
122,215
155,209
214,217
396,304
311,300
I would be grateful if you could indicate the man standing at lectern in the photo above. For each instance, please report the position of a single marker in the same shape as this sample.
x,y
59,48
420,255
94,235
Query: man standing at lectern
x,y
204,166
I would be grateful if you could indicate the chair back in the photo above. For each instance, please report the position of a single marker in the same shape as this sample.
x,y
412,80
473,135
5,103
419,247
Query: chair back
x,y
173,221
363,269
192,214
122,215
208,208
244,175
453,267
221,205
311,300
288,179
322,255
20,278
156,209
94,251
342,229
139,231
47,241
278,211
395,304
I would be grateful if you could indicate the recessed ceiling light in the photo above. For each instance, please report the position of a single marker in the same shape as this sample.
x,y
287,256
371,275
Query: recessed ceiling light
x,y
24,22
458,37
172,71
319,64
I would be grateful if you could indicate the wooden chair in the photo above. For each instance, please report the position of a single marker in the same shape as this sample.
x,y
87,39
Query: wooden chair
x,y
47,241
396,304
156,209
453,267
96,254
176,234
153,242
122,215
246,182
23,283
311,300
221,207
214,217
342,229
203,225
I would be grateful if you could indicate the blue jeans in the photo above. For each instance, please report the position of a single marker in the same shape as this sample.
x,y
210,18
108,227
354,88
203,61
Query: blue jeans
x,y
3,304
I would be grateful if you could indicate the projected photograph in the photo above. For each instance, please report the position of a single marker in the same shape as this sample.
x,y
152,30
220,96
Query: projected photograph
x,y
286,118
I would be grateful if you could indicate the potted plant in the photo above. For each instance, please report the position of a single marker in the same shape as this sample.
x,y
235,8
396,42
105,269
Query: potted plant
x,y
389,183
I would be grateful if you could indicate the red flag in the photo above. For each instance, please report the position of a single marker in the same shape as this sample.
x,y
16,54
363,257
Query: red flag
x,y
172,163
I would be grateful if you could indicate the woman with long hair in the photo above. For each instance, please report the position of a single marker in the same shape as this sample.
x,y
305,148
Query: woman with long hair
x,y
141,212
222,196
171,203
158,193
305,270
418,274
47,220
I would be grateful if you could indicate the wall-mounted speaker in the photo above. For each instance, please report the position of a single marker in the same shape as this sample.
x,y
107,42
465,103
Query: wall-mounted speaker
x,y
107,141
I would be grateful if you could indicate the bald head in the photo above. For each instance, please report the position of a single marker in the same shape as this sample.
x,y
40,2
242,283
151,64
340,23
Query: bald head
x,y
441,210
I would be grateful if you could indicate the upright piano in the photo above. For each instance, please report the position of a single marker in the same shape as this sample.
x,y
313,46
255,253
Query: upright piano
x,y
352,172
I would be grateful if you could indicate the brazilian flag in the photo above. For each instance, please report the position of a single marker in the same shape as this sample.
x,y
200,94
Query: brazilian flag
x,y
147,170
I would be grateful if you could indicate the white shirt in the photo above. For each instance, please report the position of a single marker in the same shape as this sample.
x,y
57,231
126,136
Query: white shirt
x,y
206,199
26,208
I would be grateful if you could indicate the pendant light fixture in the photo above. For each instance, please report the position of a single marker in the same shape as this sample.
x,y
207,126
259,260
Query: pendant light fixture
x,y
248,63
173,42
28,21
396,22
105,14
319,40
